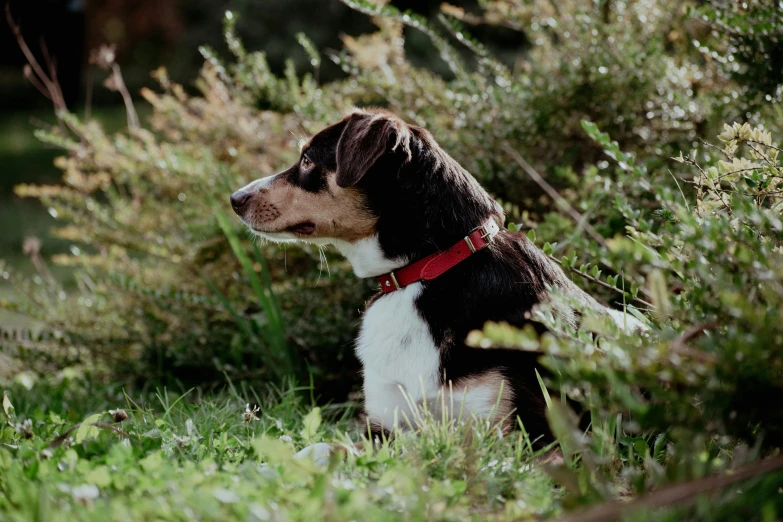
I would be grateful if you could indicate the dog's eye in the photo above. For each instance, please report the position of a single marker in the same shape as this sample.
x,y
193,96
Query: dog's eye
x,y
305,162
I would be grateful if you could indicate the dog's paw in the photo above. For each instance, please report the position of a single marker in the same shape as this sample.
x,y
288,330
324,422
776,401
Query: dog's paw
x,y
319,453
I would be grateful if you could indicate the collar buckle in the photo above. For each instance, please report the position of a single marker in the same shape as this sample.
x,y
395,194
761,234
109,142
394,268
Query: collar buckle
x,y
394,280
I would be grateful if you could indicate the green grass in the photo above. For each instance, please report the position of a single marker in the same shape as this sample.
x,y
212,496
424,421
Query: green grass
x,y
192,457
66,454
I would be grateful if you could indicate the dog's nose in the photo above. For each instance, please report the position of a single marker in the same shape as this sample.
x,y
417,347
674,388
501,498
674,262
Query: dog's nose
x,y
238,200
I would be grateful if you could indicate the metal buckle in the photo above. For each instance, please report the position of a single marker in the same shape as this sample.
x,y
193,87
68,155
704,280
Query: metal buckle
x,y
394,280
470,243
485,234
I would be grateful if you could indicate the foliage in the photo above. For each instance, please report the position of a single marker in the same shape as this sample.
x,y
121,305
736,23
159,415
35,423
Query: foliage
x,y
70,454
164,456
748,43
584,54
702,380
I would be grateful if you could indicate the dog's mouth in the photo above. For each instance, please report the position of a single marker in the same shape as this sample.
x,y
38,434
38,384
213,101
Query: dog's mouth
x,y
305,228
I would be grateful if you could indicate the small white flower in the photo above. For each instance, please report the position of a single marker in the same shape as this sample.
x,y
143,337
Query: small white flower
x,y
24,428
182,442
250,414
85,492
119,414
286,438
225,496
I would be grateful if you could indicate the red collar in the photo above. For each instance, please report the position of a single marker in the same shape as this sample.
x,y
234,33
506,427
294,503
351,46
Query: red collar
x,y
436,264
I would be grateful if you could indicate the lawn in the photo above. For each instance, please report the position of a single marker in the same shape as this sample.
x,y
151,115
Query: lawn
x,y
189,457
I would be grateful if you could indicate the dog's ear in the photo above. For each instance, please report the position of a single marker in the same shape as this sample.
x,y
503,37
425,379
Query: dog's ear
x,y
365,139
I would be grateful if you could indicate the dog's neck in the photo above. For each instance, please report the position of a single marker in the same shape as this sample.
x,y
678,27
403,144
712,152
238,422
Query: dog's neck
x,y
423,207
367,258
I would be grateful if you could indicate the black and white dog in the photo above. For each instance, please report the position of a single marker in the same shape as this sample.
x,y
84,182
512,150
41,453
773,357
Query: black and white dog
x,y
402,210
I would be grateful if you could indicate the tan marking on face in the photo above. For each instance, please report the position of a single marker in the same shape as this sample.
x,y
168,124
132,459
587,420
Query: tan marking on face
x,y
338,213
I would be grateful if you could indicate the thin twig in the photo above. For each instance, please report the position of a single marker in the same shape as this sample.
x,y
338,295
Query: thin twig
x,y
678,494
713,146
32,78
680,344
763,144
572,212
57,442
599,282
49,81
119,82
50,87
552,193
51,63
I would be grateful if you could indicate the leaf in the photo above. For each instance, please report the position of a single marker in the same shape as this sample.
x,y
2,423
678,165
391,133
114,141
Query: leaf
x,y
86,429
565,426
272,450
99,476
8,408
544,390
151,462
312,422
531,235
659,294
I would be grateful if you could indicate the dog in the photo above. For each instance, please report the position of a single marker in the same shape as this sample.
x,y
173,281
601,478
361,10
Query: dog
x,y
401,210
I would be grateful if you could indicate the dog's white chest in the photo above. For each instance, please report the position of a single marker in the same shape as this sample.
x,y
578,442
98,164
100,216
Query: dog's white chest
x,y
400,359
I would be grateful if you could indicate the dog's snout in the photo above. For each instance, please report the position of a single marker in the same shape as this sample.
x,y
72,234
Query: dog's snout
x,y
239,199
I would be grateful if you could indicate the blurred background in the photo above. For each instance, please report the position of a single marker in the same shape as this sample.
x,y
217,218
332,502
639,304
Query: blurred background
x,y
147,34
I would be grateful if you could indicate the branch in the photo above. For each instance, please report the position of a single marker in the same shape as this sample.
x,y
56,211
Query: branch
x,y
133,118
572,212
55,93
57,442
552,193
678,494
679,345
602,283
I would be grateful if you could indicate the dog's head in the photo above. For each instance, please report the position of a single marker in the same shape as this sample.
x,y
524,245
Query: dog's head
x,y
370,180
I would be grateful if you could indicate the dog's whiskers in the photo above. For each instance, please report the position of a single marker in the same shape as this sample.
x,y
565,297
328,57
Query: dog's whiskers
x,y
323,261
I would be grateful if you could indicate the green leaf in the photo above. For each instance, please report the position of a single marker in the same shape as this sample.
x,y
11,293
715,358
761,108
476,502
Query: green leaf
x,y
544,391
86,429
531,235
99,476
8,408
548,249
151,462
659,294
312,422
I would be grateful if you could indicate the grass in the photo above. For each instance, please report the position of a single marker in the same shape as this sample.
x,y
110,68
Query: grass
x,y
74,450
210,458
